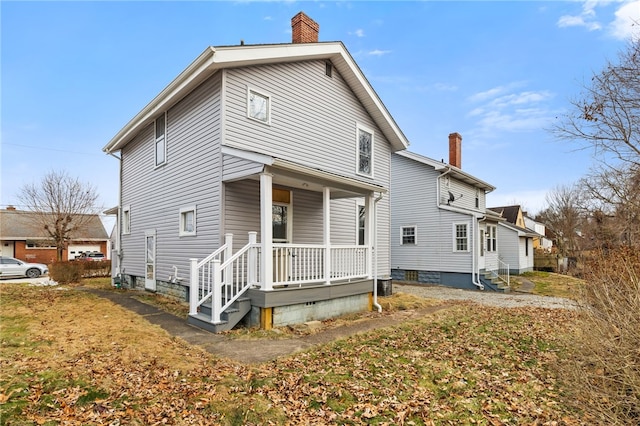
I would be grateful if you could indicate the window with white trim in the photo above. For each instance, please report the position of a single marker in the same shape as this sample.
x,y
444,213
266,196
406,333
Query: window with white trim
x,y
258,106
491,238
361,224
187,221
408,235
364,151
460,237
126,219
160,126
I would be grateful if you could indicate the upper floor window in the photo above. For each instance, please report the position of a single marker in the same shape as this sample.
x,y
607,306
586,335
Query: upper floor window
x,y
188,221
408,235
160,139
126,220
365,151
258,106
461,237
491,238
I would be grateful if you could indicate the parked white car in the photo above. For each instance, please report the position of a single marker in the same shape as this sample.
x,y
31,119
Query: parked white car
x,y
11,267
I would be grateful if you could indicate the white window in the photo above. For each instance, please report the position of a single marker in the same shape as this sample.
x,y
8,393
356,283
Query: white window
x,y
258,106
364,153
126,219
160,139
491,238
361,225
407,235
188,221
460,237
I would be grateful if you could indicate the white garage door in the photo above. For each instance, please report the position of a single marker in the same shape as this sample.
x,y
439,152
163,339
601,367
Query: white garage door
x,y
77,250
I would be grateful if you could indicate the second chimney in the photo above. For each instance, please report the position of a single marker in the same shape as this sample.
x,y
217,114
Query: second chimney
x,y
455,150
304,29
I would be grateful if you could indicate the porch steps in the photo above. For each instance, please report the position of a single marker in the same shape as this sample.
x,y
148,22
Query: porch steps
x,y
493,283
229,318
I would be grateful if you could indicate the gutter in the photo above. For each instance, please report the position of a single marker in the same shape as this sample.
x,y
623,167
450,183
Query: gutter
x,y
118,224
375,253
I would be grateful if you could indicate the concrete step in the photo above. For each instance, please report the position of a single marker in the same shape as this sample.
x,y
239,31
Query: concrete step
x,y
228,319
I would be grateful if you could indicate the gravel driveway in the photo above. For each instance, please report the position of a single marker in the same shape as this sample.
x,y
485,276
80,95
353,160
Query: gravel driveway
x,y
501,300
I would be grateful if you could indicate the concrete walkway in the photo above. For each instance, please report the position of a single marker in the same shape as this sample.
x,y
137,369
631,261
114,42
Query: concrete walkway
x,y
245,351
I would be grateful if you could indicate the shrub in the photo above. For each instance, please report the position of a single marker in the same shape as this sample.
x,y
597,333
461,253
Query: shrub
x,y
66,272
604,372
100,268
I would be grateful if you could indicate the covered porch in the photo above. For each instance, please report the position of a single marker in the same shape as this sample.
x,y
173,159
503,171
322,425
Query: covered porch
x,y
298,251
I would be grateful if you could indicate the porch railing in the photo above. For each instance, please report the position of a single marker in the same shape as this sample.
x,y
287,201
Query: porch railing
x,y
223,282
503,271
223,277
298,264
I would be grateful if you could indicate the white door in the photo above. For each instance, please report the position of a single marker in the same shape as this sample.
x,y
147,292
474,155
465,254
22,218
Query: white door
x,y
481,250
281,222
76,250
7,249
150,261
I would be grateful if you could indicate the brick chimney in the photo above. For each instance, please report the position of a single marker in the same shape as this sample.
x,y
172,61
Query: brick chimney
x,y
304,29
455,150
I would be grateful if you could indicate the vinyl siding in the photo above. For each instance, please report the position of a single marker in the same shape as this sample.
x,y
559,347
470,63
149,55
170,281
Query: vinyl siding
x,y
236,168
313,117
413,197
509,246
313,122
190,177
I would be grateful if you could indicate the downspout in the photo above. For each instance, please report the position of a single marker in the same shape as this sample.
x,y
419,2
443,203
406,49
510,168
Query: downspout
x,y
474,264
118,220
375,253
475,267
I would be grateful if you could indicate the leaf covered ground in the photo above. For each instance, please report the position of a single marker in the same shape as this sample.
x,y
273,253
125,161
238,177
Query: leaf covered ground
x,y
71,358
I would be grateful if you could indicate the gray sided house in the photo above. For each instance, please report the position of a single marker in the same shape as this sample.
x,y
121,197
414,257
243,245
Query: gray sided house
x,y
516,240
441,231
256,185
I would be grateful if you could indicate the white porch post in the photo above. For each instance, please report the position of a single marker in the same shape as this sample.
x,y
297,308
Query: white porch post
x,y
266,230
252,259
194,287
228,240
369,232
326,232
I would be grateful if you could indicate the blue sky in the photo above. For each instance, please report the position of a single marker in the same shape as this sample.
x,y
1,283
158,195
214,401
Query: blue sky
x,y
499,73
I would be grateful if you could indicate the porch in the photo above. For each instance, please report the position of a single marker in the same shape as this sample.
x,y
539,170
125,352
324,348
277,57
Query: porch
x,y
300,274
295,236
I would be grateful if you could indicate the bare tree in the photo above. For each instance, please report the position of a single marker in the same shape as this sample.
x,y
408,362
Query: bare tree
x,y
563,217
614,200
606,117
62,206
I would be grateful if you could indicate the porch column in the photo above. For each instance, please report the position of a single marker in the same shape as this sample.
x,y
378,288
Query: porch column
x,y
266,230
369,232
326,232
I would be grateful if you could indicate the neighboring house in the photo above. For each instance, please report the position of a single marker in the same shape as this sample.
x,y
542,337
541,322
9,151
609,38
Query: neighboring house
x,y
441,232
22,238
540,241
255,185
516,241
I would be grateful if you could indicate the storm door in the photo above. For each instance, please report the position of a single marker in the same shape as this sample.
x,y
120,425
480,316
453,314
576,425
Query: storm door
x,y
150,261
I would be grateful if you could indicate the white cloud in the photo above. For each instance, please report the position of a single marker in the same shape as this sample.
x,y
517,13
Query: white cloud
x,y
358,33
378,52
503,108
627,22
